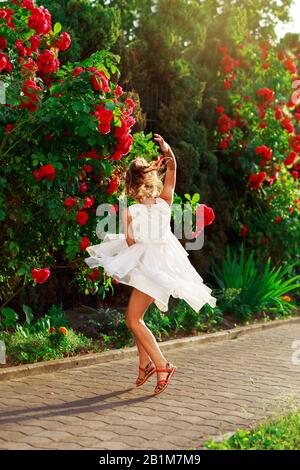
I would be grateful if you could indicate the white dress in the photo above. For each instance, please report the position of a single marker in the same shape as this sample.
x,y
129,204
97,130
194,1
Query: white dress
x,y
156,264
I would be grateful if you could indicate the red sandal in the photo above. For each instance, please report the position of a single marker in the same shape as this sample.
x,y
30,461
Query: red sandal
x,y
148,372
165,382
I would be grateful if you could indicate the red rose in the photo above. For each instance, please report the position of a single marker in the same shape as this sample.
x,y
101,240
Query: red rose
x,y
3,61
227,84
94,275
263,124
290,65
244,230
85,242
264,151
47,62
104,127
223,144
225,123
114,209
40,20
277,219
88,168
220,109
2,43
295,143
9,128
117,155
70,202
83,187
256,180
223,49
228,63
288,125
205,216
47,171
273,178
99,82
278,114
118,90
266,94
290,159
77,71
64,41
88,202
35,42
82,217
40,275
112,185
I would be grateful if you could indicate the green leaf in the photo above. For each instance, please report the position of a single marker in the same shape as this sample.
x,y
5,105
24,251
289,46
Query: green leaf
x,y
196,197
110,105
117,122
55,89
187,196
21,271
57,28
10,317
28,313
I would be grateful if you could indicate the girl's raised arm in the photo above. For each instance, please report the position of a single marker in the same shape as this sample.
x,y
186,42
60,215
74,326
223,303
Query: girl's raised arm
x,y
170,177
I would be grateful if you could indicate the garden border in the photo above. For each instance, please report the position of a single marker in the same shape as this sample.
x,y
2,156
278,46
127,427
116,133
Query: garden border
x,y
16,372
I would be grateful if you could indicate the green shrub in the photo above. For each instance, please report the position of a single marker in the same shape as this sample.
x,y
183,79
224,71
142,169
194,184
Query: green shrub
x,y
281,433
37,347
248,287
54,318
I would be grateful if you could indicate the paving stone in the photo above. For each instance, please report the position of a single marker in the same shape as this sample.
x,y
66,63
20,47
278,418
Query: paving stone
x,y
218,387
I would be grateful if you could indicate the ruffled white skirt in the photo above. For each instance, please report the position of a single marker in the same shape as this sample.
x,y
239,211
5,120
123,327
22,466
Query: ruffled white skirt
x,y
159,269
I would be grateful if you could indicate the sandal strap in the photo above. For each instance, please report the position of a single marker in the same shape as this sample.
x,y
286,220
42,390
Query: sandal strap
x,y
162,381
147,367
165,370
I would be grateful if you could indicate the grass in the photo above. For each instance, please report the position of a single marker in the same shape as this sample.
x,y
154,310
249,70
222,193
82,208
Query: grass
x,y
279,433
44,346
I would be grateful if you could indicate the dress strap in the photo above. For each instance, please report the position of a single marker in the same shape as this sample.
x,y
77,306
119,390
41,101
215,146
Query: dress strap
x,y
163,201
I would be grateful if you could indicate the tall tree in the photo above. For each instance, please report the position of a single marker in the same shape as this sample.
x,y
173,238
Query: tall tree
x,y
92,25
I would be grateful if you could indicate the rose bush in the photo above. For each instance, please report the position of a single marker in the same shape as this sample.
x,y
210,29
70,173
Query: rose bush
x,y
259,144
65,139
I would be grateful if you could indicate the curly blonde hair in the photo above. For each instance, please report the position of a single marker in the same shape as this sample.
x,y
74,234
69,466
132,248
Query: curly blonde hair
x,y
142,179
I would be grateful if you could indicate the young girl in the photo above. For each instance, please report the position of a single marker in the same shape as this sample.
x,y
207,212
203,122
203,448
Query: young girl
x,y
148,257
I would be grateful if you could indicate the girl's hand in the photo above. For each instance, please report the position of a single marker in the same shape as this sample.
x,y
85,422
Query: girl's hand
x,y
163,144
169,157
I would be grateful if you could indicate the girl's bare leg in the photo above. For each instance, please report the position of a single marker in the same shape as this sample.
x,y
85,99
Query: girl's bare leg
x,y
144,357
138,304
